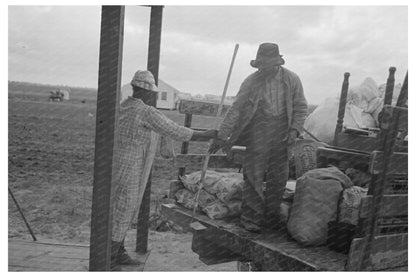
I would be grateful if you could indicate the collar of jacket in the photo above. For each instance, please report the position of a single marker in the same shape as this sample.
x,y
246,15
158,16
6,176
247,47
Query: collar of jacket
x,y
259,84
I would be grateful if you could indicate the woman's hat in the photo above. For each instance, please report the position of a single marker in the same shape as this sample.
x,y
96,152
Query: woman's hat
x,y
144,79
267,55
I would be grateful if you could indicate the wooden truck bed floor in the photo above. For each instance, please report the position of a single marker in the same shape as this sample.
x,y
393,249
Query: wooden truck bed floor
x,y
274,250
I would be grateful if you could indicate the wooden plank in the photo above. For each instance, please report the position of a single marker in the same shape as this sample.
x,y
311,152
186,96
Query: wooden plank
x,y
45,256
388,251
399,163
391,205
155,32
215,161
185,144
201,108
109,80
327,156
357,142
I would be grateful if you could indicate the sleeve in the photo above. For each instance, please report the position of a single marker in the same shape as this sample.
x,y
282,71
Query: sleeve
x,y
300,106
233,114
159,123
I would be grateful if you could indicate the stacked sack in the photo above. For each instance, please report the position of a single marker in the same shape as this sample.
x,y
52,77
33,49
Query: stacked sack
x,y
221,194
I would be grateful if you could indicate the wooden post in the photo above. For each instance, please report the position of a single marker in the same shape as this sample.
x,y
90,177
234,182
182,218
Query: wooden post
x,y
109,74
388,95
401,101
185,144
341,109
155,33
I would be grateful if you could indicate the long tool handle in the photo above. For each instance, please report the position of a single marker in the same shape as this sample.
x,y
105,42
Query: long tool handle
x,y
219,111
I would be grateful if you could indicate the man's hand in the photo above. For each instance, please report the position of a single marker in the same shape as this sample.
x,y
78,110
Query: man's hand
x,y
205,135
291,136
216,145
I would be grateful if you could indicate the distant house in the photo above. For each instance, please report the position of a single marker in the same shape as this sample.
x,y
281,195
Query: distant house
x,y
167,98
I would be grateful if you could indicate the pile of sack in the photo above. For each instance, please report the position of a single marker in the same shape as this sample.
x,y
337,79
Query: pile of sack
x,y
220,197
364,104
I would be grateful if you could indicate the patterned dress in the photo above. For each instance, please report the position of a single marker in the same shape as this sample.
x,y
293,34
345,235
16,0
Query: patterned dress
x,y
137,137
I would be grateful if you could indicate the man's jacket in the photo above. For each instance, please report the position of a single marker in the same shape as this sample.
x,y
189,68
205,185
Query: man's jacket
x,y
245,105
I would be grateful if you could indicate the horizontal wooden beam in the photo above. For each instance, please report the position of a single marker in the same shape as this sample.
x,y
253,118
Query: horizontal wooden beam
x,y
215,161
357,142
201,108
389,251
391,205
398,165
341,155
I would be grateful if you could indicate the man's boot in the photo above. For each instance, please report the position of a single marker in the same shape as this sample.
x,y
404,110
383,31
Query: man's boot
x,y
123,257
115,247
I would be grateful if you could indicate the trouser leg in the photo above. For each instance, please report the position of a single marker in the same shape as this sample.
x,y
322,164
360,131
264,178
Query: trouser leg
x,y
276,178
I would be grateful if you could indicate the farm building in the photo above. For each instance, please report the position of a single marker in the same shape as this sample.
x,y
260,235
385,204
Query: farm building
x,y
167,97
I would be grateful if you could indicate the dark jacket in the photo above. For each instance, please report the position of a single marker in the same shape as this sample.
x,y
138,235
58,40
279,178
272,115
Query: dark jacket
x,y
245,105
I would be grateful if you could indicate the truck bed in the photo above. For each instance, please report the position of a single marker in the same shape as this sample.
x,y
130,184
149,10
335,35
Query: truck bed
x,y
270,251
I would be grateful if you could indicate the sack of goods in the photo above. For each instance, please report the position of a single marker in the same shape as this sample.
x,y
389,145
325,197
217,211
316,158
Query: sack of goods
x,y
315,204
364,104
220,196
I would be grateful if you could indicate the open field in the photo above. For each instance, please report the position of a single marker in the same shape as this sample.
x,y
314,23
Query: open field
x,y
51,161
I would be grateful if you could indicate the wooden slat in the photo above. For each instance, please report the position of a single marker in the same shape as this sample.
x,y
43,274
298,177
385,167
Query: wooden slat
x,y
391,205
201,108
353,158
215,161
357,142
388,251
398,165
185,144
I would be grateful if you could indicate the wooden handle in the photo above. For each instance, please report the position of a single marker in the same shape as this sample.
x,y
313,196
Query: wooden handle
x,y
206,161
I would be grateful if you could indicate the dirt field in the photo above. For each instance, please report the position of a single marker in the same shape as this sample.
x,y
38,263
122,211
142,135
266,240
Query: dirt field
x,y
51,159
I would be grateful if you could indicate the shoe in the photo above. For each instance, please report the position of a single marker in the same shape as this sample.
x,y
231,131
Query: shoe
x,y
123,257
249,226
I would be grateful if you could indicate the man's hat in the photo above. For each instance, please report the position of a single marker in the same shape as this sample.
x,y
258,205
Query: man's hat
x,y
267,55
144,79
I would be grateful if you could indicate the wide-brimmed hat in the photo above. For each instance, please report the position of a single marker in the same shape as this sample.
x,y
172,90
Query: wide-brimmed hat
x,y
144,79
267,55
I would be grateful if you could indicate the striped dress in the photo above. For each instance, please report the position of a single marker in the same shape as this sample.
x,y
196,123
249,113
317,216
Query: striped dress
x,y
138,132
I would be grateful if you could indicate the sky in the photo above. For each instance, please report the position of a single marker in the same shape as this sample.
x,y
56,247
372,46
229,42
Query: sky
x,y
59,45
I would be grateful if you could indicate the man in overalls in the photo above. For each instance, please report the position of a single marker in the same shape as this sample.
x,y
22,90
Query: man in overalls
x,y
266,117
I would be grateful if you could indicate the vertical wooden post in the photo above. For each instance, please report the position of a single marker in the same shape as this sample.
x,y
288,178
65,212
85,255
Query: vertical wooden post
x,y
111,47
388,95
155,33
341,108
185,144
